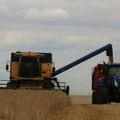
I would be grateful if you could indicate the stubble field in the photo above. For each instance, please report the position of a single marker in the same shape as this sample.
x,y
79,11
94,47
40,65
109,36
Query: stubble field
x,y
52,105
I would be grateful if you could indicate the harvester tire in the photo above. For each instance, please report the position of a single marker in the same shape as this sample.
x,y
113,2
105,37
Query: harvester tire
x,y
94,98
67,90
8,85
102,96
12,85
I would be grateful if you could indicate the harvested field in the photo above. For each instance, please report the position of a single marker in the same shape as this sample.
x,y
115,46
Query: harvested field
x,y
52,105
31,104
94,112
76,99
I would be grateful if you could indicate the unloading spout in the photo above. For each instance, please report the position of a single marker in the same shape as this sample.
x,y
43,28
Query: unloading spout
x,y
107,48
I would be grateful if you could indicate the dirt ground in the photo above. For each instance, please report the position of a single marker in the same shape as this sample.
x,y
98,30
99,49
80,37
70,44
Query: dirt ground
x,y
52,105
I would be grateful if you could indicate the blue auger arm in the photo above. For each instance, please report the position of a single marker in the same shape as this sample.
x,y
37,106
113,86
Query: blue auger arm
x,y
107,48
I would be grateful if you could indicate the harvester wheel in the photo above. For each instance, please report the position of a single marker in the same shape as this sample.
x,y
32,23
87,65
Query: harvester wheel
x,y
12,85
8,85
48,85
94,98
102,96
67,90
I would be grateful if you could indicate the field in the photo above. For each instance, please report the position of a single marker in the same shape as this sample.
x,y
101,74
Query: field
x,y
52,105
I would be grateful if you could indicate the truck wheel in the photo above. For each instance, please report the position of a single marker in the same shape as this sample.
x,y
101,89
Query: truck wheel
x,y
102,95
67,90
94,98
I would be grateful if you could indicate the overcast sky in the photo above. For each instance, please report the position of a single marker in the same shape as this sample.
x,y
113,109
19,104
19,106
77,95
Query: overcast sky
x,y
69,29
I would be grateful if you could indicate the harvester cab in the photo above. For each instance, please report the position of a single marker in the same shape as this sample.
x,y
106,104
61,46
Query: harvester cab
x,y
28,65
113,74
113,82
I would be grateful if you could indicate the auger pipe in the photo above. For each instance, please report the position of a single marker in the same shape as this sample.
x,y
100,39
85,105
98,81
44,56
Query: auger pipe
x,y
107,48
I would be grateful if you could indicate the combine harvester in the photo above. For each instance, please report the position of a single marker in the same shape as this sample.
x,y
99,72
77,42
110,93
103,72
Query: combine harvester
x,y
30,70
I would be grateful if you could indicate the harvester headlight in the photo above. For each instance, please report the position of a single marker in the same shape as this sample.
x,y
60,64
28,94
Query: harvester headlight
x,y
116,83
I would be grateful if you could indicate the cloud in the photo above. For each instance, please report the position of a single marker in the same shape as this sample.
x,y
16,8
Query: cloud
x,y
13,38
47,14
100,4
4,9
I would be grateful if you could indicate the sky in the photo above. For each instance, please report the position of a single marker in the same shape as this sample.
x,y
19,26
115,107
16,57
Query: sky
x,y
69,29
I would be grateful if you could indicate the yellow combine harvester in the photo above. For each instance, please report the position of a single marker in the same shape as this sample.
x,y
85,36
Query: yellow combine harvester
x,y
30,70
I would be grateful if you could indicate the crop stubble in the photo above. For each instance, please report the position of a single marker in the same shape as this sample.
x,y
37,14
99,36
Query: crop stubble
x,y
31,104
52,105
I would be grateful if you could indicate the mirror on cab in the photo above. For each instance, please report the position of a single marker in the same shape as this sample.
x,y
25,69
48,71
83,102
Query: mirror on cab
x,y
7,67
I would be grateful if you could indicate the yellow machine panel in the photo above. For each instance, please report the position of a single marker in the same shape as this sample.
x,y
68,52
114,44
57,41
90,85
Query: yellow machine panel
x,y
46,70
14,70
